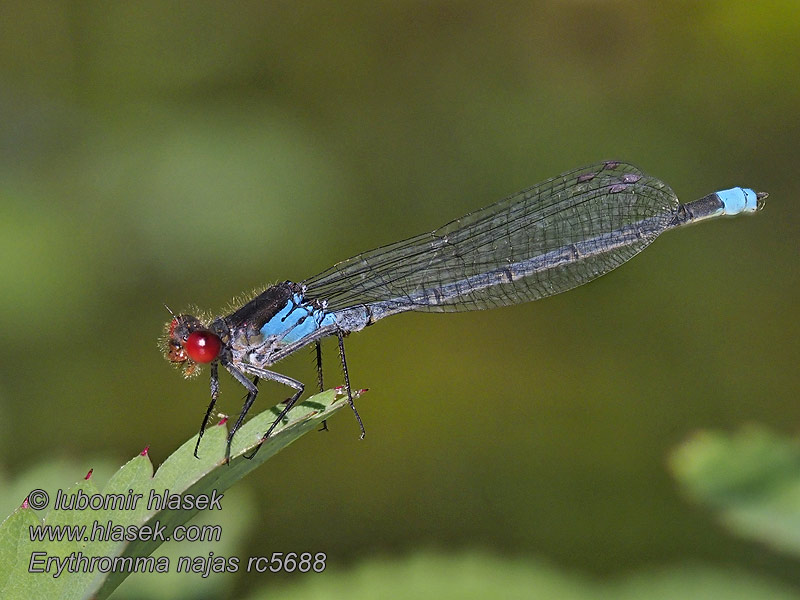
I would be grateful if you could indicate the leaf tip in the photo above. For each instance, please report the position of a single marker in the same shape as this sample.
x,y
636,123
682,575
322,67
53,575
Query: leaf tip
x,y
145,451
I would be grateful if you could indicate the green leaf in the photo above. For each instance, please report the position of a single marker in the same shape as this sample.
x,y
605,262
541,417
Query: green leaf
x,y
751,478
181,474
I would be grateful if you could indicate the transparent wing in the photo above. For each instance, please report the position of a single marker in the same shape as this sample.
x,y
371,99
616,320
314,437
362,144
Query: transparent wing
x,y
585,204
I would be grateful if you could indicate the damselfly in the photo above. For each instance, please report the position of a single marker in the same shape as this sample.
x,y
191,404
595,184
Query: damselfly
x,y
547,239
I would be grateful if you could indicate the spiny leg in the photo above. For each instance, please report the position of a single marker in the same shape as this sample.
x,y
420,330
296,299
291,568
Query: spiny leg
x,y
318,347
264,374
255,383
347,385
319,365
214,396
252,392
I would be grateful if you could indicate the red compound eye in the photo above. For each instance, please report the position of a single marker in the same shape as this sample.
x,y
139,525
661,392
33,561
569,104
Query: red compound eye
x,y
203,346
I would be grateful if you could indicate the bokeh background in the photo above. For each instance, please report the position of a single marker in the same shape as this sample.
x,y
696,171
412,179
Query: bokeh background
x,y
184,153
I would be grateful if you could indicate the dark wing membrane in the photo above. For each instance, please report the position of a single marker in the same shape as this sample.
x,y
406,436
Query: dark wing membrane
x,y
580,205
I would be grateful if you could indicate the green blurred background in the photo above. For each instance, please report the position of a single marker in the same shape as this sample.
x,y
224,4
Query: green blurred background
x,y
184,153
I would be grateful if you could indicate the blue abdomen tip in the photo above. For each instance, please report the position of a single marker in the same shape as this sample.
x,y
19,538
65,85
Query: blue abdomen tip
x,y
738,200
